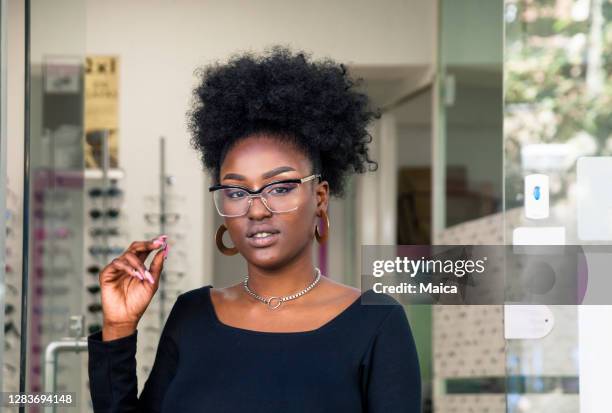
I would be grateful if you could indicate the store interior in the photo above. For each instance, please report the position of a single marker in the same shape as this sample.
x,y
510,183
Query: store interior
x,y
474,96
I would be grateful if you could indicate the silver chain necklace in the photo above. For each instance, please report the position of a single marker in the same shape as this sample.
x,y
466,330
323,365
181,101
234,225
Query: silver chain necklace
x,y
274,302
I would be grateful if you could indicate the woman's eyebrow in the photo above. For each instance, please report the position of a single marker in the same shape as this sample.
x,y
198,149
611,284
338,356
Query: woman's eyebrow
x,y
277,171
265,175
237,177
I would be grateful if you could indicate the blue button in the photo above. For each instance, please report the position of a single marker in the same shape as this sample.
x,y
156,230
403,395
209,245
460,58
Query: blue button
x,y
536,192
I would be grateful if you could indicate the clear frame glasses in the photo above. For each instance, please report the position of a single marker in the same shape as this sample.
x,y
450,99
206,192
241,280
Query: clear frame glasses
x,y
277,197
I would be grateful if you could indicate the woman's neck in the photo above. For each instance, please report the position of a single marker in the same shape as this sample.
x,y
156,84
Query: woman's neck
x,y
288,279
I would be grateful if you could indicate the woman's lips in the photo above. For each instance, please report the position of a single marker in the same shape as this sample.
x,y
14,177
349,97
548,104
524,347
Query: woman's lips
x,y
261,242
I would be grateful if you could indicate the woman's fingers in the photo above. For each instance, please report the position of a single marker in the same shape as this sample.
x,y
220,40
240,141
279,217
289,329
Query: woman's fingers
x,y
131,262
157,265
136,263
142,248
120,265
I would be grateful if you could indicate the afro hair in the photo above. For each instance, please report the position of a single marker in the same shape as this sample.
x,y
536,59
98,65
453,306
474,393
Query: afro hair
x,y
288,95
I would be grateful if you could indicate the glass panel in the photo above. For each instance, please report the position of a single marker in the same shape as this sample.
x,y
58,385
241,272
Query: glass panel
x,y
11,181
557,122
56,185
470,110
468,348
9,277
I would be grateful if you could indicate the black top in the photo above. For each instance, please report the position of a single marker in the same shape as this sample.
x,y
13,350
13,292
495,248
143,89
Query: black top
x,y
363,360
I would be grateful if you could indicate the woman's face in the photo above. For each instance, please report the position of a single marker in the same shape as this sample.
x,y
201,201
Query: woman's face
x,y
252,163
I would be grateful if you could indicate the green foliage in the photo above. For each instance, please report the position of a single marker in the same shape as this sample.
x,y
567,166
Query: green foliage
x,y
548,96
547,67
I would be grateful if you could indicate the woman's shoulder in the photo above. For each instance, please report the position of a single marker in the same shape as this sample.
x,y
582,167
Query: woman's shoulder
x,y
195,295
186,309
378,307
368,308
365,297
190,300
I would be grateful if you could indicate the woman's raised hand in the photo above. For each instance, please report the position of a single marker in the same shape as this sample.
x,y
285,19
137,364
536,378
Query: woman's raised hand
x,y
127,287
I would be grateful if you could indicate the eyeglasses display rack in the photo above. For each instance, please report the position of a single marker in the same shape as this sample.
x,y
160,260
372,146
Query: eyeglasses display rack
x,y
11,287
55,336
76,220
162,216
106,235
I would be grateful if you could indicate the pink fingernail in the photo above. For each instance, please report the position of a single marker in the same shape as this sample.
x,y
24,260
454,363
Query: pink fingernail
x,y
158,243
166,251
149,277
137,273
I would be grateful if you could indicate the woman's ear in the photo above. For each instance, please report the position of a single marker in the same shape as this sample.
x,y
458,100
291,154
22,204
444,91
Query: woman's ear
x,y
322,192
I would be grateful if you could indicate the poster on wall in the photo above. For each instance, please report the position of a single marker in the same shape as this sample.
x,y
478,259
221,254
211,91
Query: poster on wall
x,y
101,110
62,75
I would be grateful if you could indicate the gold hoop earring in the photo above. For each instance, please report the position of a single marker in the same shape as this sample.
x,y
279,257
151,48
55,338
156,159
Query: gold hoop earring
x,y
321,238
219,239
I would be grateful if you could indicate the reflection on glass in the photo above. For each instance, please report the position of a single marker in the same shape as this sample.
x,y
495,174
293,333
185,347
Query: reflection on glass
x,y
468,341
558,95
56,253
10,217
471,105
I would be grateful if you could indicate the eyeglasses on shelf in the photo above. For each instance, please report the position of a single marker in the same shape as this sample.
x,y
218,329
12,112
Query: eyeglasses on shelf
x,y
98,232
97,250
109,213
155,218
112,192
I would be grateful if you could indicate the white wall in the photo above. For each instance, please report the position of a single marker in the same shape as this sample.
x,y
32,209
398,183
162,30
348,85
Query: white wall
x,y
414,145
187,32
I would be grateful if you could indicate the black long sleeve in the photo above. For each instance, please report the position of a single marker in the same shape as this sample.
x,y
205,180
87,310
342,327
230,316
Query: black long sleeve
x,y
363,360
392,373
112,370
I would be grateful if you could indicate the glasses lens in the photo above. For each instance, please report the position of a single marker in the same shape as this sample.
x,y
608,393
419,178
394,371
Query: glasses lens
x,y
231,201
282,197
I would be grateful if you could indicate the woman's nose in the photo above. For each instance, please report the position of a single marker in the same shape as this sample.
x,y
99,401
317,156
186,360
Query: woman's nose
x,y
257,208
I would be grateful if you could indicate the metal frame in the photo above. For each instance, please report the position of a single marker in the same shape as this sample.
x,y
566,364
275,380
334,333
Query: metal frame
x,y
3,172
26,208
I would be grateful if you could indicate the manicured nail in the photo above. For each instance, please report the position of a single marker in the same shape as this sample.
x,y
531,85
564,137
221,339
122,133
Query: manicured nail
x,y
137,273
149,277
166,251
158,242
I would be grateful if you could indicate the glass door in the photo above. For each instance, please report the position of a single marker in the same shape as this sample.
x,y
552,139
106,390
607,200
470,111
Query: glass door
x,y
55,180
468,343
468,147
558,90
9,351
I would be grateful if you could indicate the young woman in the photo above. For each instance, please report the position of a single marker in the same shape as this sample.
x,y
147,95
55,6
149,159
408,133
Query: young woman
x,y
279,133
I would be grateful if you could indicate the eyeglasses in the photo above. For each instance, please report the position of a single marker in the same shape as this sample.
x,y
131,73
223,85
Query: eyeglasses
x,y
106,192
110,213
98,232
167,218
277,197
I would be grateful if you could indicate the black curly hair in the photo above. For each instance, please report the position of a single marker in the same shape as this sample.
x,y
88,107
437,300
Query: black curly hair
x,y
287,95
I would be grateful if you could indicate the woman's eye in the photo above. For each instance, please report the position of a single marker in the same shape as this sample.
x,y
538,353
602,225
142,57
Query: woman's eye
x,y
281,189
235,194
